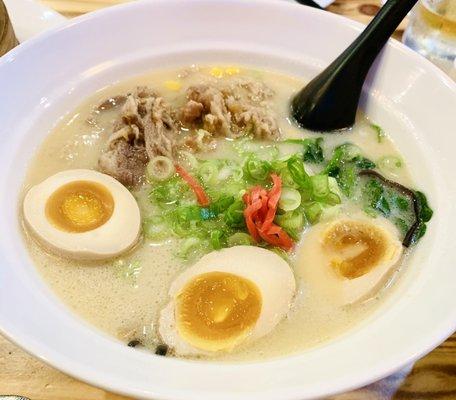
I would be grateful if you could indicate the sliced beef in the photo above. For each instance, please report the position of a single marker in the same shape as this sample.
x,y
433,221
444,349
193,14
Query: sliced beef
x,y
146,128
124,162
160,130
232,108
192,111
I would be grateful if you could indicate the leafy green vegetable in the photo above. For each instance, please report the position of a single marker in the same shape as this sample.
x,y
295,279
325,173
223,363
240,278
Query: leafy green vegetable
x,y
401,203
363,162
375,195
313,152
424,215
407,209
401,225
345,164
423,206
312,149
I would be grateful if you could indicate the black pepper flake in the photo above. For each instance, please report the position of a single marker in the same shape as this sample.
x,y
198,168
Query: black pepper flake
x,y
161,350
134,343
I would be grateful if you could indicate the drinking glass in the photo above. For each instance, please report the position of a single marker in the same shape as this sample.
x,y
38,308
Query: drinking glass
x,y
432,32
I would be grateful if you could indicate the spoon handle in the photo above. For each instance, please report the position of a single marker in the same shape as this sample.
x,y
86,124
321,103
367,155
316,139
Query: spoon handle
x,y
366,47
330,100
309,3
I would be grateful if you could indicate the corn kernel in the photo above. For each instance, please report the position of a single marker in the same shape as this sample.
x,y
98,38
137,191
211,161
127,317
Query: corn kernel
x,y
173,85
217,72
232,70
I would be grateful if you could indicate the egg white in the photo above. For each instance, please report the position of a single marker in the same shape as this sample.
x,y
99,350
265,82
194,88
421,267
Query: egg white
x,y
114,237
268,271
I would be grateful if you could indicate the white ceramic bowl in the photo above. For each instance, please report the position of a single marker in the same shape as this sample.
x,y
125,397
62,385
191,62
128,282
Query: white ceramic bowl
x,y
48,76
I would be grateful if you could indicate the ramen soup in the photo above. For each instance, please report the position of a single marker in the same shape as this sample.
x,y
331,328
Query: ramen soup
x,y
185,214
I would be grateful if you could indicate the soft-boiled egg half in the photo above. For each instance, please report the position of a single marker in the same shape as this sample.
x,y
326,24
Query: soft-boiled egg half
x,y
83,214
349,258
226,298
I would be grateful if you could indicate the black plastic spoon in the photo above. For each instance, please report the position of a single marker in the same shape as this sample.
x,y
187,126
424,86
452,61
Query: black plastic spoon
x,y
309,3
329,102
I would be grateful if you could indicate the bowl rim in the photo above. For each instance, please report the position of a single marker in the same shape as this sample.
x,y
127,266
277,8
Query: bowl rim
x,y
381,371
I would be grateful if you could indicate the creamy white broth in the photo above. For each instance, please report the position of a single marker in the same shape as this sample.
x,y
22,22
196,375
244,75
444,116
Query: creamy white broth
x,y
125,303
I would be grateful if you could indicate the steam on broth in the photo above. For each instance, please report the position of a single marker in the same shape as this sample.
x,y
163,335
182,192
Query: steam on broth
x,y
257,238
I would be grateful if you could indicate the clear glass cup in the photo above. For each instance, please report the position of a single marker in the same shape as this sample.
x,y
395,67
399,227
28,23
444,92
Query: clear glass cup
x,y
432,32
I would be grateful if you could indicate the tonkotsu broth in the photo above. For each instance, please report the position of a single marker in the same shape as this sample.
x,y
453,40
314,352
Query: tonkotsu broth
x,y
126,304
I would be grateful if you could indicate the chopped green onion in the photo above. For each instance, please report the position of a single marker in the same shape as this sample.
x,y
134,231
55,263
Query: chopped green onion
x,y
329,213
313,211
188,213
239,239
230,172
349,150
208,172
292,222
294,141
256,169
298,173
389,164
379,131
221,205
155,228
320,186
160,168
216,237
290,199
234,215
334,186
192,248
169,192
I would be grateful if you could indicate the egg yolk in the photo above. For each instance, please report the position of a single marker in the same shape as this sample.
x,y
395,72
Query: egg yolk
x,y
355,248
217,309
79,206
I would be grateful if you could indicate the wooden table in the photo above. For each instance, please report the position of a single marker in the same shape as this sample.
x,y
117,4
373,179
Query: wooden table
x,y
433,377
